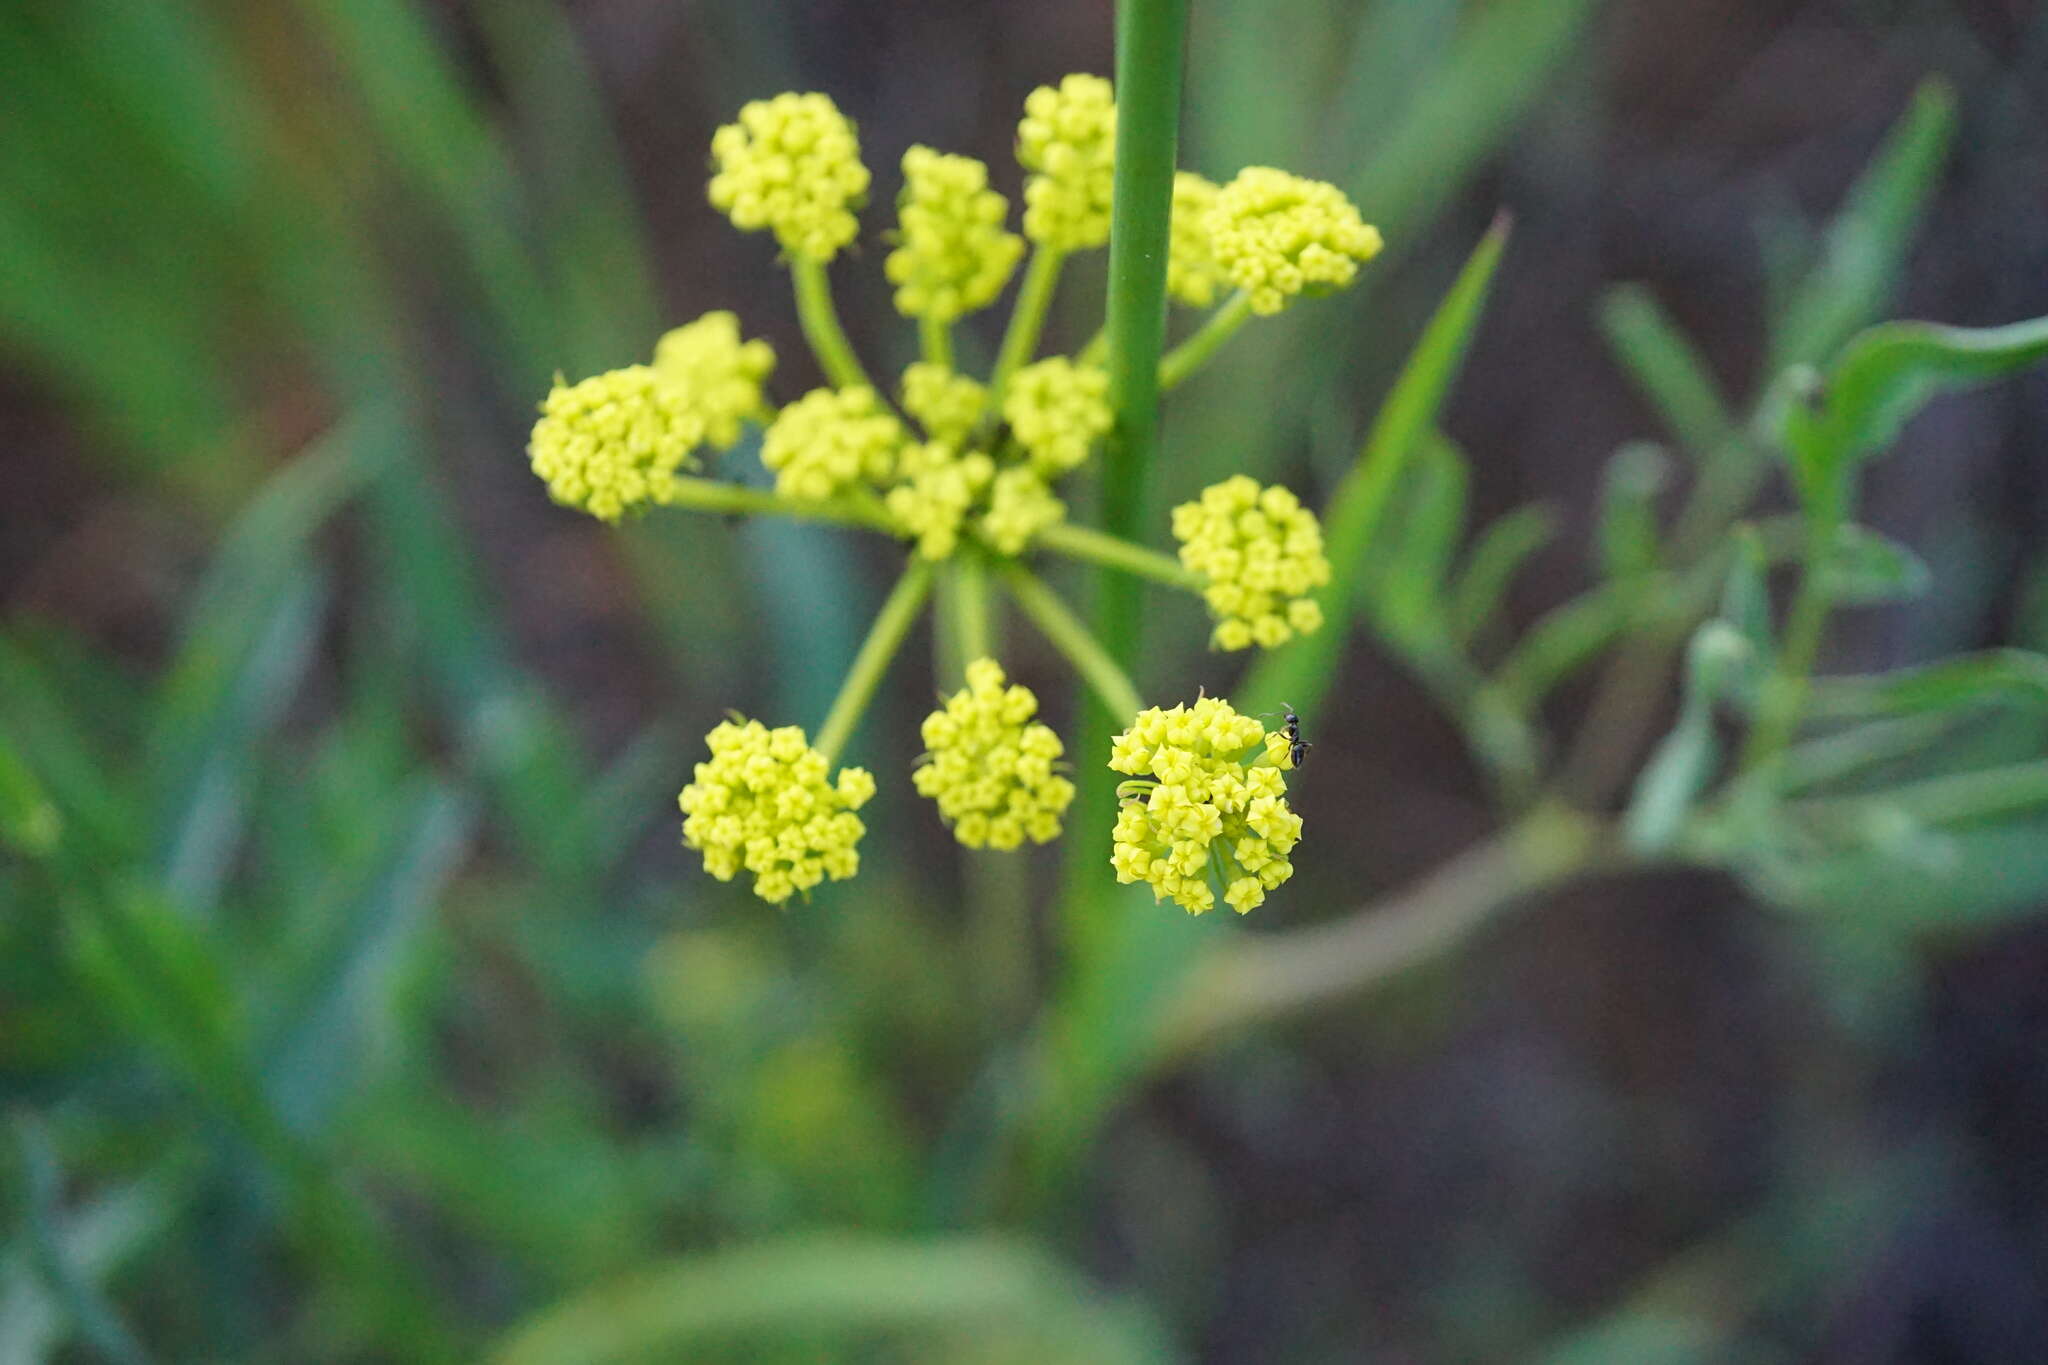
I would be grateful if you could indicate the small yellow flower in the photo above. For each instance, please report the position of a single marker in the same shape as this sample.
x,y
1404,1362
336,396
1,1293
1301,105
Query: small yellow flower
x,y
723,374
990,766
1068,139
831,440
615,440
1192,275
1205,808
1057,410
946,405
763,804
791,164
938,489
1019,507
1277,235
1262,553
955,255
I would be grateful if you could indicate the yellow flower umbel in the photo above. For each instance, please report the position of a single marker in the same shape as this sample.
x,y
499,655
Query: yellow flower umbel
x,y
1277,235
1192,275
722,373
1057,410
945,404
1019,507
939,487
1262,554
954,255
615,441
763,804
832,440
1205,807
990,766
791,164
1068,138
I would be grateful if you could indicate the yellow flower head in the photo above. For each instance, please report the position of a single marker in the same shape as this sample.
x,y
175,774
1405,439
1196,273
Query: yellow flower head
x,y
722,374
1277,235
791,164
1192,275
1068,139
615,440
954,254
1019,507
1057,410
1205,809
990,767
940,485
763,804
1262,552
831,440
946,404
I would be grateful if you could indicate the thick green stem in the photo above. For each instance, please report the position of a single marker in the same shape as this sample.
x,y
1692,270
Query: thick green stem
x,y
1195,352
1114,552
1027,320
936,339
973,630
1111,685
821,324
892,623
729,499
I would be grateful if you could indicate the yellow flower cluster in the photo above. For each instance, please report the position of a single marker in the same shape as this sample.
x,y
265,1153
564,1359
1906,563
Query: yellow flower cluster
x,y
990,766
791,164
1068,139
615,440
945,404
1019,507
763,804
1192,275
1057,410
1262,554
954,255
1205,808
722,373
831,440
939,487
1277,235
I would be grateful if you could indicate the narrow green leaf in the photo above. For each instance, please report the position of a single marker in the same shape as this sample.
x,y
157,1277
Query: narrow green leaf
x,y
1561,642
29,822
1499,553
1629,534
1865,568
1684,761
96,1237
1849,752
1746,596
1302,671
1671,374
1904,879
1999,676
1402,586
90,1312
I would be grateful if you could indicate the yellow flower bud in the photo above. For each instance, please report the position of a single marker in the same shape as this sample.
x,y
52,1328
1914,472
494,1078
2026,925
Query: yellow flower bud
x,y
1192,275
791,164
615,440
1019,507
954,255
990,767
939,486
1262,554
1057,410
722,374
946,404
1205,809
763,804
1277,235
831,440
1068,139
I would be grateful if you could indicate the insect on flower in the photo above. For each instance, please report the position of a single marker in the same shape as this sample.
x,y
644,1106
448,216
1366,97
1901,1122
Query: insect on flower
x,y
1297,747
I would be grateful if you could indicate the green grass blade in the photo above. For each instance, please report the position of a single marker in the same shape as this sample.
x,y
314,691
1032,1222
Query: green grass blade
x,y
1671,374
94,1317
1499,553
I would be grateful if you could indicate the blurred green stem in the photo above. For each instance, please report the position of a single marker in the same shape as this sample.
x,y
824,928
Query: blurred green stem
x,y
1114,552
973,629
885,637
1027,321
1104,676
728,499
936,338
821,323
1784,692
1195,352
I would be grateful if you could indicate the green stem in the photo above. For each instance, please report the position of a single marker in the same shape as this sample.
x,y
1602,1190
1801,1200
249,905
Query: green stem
x,y
1096,349
973,629
821,324
1195,352
937,340
729,499
1784,692
892,623
1114,552
1111,685
1027,320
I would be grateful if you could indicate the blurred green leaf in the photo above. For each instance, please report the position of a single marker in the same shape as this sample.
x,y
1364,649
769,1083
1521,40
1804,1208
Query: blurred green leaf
x,y
1629,535
93,1237
2009,676
1401,585
1562,641
29,823
1746,596
844,1285
1355,513
1671,374
88,1308
1867,242
1864,568
1683,763
1901,878
1499,553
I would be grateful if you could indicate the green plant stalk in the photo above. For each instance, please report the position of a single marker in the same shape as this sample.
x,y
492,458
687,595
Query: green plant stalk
x,y
1097,667
973,623
885,637
729,499
1784,692
1107,551
1027,321
1184,359
935,338
820,322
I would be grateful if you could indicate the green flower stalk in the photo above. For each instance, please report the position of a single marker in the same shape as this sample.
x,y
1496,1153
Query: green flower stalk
x,y
964,472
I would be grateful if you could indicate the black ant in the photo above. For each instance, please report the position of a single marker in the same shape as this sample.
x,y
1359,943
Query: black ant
x,y
1297,747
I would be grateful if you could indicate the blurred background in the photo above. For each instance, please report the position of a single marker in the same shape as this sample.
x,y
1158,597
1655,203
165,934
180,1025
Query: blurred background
x,y
370,753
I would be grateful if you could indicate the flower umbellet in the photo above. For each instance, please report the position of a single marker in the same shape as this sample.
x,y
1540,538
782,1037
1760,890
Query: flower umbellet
x,y
964,471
